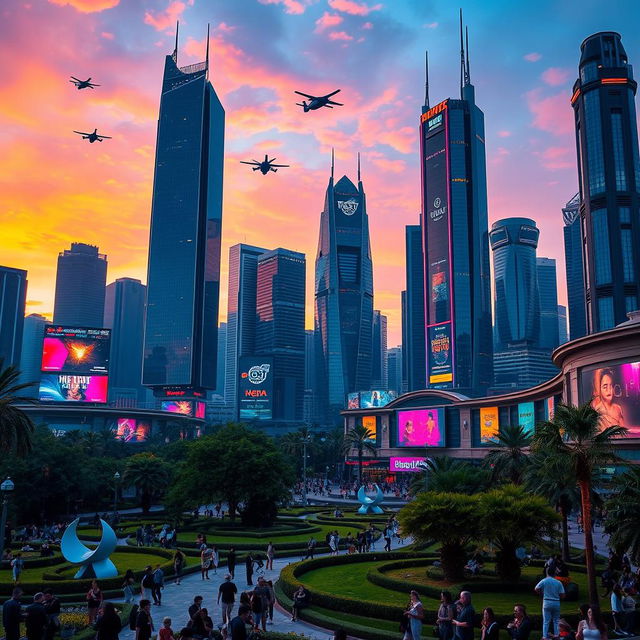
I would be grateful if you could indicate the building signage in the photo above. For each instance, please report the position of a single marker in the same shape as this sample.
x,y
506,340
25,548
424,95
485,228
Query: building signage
x,y
527,417
255,388
348,207
408,465
489,425
439,108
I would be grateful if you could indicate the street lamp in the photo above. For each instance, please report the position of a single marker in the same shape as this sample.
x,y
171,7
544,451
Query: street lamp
x,y
116,479
6,487
306,439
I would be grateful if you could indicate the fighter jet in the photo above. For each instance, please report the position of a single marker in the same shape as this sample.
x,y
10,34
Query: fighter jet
x,y
92,137
265,166
315,102
83,84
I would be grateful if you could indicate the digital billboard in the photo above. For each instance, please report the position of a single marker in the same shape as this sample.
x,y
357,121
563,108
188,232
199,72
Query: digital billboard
x,y
375,399
437,241
489,425
421,428
130,430
614,391
183,407
369,423
255,388
527,417
408,465
76,350
62,387
353,400
201,409
549,408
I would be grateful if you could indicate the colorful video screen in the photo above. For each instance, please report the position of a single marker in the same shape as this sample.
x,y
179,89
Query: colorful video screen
x,y
130,430
614,391
183,407
421,428
73,350
489,425
369,423
527,417
353,400
64,387
375,399
201,409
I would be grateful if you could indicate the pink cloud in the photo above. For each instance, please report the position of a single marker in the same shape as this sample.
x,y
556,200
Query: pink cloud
x,y
555,76
107,35
430,25
367,25
167,18
552,113
327,20
532,57
87,6
293,7
504,134
557,157
339,35
354,8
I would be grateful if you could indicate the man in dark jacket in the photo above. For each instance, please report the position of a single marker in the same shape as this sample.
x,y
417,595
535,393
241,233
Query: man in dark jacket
x,y
36,618
12,615
238,626
52,609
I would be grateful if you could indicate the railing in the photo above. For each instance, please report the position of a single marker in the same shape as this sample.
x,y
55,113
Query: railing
x,y
194,68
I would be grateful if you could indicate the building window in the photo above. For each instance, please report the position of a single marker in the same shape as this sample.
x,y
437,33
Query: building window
x,y
634,139
601,254
589,72
593,132
618,151
625,215
630,303
627,255
605,311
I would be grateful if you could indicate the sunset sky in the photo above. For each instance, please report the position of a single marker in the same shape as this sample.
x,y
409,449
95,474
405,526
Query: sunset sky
x,y
56,188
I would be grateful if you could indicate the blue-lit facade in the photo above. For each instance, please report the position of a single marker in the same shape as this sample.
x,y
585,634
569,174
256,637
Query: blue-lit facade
x,y
548,295
343,299
609,178
574,268
13,296
180,346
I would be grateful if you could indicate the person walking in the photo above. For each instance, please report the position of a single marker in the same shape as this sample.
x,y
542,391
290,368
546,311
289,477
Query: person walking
x,y
128,586
489,626
552,592
158,585
446,613
593,626
178,565
35,618
311,548
108,625
94,600
146,584
215,558
262,592
17,565
271,554
52,609
227,597
248,565
206,556
144,623
464,619
12,615
231,562
415,615
617,611
272,599
520,627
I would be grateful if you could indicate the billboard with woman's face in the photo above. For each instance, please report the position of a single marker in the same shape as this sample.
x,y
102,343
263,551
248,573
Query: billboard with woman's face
x,y
614,391
421,428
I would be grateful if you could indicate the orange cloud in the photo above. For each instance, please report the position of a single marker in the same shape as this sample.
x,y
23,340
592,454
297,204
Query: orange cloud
x,y
164,19
87,6
354,8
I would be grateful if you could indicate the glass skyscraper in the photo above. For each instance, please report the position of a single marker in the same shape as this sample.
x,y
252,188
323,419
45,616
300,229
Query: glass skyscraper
x,y
183,282
574,268
379,375
609,177
459,349
343,298
13,297
548,294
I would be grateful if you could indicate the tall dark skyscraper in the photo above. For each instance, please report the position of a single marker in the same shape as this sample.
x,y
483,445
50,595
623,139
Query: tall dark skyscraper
x,y
124,315
31,355
183,282
456,244
548,293
241,315
343,298
13,297
222,359
609,178
379,379
280,298
574,268
563,334
395,370
413,324
80,286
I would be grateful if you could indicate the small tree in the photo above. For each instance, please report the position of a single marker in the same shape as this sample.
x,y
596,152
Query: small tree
x,y
149,474
623,514
448,518
16,427
509,460
359,438
447,474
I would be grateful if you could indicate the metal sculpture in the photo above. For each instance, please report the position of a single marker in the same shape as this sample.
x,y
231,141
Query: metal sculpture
x,y
370,505
97,559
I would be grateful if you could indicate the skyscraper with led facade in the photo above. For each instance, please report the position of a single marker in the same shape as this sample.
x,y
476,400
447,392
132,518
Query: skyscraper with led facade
x,y
459,349
609,178
343,298
180,344
574,266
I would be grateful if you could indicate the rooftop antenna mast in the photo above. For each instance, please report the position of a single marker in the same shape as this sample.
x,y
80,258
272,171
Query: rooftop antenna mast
x,y
426,80
467,78
462,58
175,51
359,180
332,161
207,57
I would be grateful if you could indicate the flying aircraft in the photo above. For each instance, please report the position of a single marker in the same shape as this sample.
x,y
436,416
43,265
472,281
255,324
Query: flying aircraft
x,y
83,84
92,137
315,102
265,166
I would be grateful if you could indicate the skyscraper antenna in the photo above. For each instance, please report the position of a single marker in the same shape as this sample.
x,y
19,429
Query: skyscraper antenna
x,y
175,51
332,161
359,167
207,58
462,61
426,79
467,78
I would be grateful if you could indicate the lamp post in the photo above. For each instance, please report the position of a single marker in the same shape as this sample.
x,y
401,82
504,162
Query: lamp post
x,y
306,439
6,487
116,479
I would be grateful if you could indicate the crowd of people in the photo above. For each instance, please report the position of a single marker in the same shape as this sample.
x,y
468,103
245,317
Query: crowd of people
x,y
41,616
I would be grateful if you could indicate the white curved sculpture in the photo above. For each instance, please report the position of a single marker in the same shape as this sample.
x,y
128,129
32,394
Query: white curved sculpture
x,y
370,505
98,559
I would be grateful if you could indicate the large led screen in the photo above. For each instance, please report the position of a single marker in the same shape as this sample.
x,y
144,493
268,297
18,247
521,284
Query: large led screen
x,y
527,417
255,388
183,407
201,408
421,428
374,399
489,425
60,387
130,430
353,400
369,423
73,350
614,391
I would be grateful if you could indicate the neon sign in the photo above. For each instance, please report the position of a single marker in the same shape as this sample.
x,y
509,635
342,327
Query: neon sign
x,y
439,108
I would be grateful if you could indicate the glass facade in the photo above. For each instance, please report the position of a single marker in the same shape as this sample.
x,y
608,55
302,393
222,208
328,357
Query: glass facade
x,y
548,294
186,218
602,250
628,268
605,312
618,151
13,295
574,268
593,128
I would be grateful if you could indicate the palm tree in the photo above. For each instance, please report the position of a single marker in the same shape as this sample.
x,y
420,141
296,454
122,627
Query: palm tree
x,y
623,514
149,474
509,460
359,438
575,438
443,473
16,427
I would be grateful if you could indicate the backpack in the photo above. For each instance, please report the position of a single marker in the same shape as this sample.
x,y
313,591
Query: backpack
x,y
133,616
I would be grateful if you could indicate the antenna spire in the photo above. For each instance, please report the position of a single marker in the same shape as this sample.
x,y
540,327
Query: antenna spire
x,y
332,161
207,58
462,57
467,78
426,79
175,51
359,180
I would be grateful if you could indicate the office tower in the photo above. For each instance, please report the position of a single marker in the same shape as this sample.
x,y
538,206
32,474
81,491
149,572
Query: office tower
x,y
31,353
563,334
183,278
222,360
395,369
124,315
241,315
13,296
548,295
379,352
80,285
308,410
456,245
574,268
280,297
609,178
343,298
413,325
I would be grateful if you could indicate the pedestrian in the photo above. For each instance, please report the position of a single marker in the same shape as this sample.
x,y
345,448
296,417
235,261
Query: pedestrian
x,y
144,623
17,565
272,599
146,584
215,558
36,618
629,608
446,613
488,625
195,607
231,562
227,596
139,536
617,611
94,600
127,586
299,601
311,548
415,615
248,565
520,627
108,625
593,626
206,556
158,585
552,592
12,615
52,609
262,593
178,564
202,626
271,554
387,540
238,626
166,633
464,619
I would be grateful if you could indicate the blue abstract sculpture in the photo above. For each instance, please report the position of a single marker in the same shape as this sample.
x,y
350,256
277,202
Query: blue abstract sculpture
x,y
370,505
98,559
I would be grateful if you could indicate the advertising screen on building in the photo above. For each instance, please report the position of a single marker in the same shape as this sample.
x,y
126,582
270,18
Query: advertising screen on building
x,y
201,409
255,388
527,417
183,407
369,423
489,425
406,465
549,408
62,387
437,240
421,428
353,400
374,399
614,391
130,430
76,350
